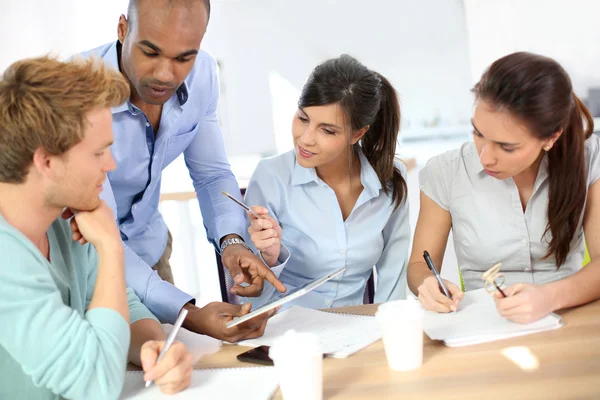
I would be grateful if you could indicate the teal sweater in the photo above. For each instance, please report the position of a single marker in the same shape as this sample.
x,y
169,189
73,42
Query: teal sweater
x,y
51,346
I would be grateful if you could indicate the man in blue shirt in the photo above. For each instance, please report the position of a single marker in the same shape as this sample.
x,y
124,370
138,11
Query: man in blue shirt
x,y
172,110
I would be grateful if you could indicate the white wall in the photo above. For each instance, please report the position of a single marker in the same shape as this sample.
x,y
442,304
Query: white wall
x,y
34,27
432,50
566,30
421,46
423,53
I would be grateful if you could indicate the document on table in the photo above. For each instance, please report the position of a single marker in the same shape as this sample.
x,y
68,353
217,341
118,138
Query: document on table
x,y
253,383
198,345
478,321
340,335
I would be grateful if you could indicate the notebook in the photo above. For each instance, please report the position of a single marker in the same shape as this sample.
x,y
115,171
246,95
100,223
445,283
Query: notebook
x,y
340,334
478,321
258,383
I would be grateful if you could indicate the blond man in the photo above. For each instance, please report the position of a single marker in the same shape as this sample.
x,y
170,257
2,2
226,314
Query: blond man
x,y
69,324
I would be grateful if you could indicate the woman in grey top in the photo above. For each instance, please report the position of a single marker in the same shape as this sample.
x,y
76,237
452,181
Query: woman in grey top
x,y
523,193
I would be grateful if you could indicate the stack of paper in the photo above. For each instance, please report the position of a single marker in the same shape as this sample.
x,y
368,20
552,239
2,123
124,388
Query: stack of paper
x,y
478,321
340,335
258,383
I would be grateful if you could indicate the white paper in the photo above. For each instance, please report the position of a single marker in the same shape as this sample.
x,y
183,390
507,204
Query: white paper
x,y
478,321
340,335
196,344
258,383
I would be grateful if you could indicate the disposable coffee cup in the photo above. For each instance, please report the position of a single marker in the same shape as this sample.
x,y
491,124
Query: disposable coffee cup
x,y
401,324
298,362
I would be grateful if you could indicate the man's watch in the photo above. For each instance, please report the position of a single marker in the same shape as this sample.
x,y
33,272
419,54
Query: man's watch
x,y
230,241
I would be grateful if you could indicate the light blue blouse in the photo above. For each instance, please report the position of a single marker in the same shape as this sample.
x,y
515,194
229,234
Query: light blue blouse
x,y
320,241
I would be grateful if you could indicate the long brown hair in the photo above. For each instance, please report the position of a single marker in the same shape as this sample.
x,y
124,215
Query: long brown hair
x,y
538,91
367,99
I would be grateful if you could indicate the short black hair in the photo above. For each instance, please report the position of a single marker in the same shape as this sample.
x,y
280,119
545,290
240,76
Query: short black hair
x,y
132,9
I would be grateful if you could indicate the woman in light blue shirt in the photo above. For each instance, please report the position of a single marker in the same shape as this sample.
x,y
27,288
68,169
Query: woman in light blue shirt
x,y
525,193
339,198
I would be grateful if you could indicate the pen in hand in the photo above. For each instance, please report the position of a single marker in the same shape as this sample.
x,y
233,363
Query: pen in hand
x,y
171,338
245,207
435,272
499,290
491,275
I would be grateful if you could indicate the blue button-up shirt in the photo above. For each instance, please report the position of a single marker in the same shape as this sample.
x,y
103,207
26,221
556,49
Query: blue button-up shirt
x,y
319,241
188,125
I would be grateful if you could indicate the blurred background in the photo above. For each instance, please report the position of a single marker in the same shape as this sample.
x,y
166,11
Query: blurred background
x,y
432,51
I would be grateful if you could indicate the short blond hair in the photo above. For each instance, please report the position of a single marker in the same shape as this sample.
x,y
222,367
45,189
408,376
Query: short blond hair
x,y
44,103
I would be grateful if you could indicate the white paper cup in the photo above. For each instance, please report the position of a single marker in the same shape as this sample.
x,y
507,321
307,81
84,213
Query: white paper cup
x,y
401,324
298,361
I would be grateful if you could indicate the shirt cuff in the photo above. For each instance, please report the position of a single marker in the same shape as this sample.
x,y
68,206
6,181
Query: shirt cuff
x,y
166,301
228,226
284,256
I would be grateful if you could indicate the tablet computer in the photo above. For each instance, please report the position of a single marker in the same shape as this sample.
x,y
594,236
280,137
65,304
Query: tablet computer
x,y
285,297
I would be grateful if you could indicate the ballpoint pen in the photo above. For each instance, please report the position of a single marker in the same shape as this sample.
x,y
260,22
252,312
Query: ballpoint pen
x,y
433,269
245,207
171,338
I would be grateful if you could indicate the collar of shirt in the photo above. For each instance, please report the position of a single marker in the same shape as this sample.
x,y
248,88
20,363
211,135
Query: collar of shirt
x,y
111,58
368,176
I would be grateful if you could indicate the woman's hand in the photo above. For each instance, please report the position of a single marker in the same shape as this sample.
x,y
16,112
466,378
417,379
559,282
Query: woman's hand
x,y
266,234
524,303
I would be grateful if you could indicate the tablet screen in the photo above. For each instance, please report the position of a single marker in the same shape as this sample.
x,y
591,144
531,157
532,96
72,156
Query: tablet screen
x,y
286,297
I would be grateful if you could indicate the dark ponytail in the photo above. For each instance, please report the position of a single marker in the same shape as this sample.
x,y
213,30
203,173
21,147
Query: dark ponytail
x,y
538,91
367,99
379,143
568,181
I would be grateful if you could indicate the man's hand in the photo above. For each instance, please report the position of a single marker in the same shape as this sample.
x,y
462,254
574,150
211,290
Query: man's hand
x,y
173,373
244,266
525,303
211,319
97,226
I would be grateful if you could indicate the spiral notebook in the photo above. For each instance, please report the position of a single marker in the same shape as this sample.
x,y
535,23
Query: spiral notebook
x,y
477,321
253,383
340,335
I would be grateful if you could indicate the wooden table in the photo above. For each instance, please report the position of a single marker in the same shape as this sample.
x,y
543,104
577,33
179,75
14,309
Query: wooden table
x,y
569,366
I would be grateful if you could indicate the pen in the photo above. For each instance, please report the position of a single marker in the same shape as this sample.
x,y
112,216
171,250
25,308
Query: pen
x,y
500,290
245,207
433,269
171,338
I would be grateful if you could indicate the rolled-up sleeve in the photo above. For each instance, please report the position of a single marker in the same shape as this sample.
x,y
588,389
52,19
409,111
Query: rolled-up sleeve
x,y
74,356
